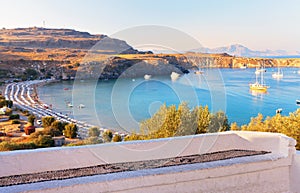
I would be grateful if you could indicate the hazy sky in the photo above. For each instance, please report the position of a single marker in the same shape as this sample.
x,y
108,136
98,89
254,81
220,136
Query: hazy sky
x,y
257,24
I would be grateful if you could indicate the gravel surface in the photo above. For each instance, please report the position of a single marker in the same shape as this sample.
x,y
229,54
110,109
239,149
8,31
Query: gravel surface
x,y
125,166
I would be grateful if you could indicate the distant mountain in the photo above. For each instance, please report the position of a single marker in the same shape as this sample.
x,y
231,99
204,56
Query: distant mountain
x,y
240,50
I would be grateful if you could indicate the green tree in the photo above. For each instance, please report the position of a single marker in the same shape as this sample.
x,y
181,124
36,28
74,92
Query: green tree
x,y
52,131
30,74
188,120
14,116
47,121
31,119
44,141
94,132
134,136
7,103
288,125
107,135
234,127
70,130
93,140
203,118
218,122
155,122
58,125
117,138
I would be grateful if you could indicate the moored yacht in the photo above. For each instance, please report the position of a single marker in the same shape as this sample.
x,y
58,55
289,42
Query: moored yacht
x,y
174,76
147,76
259,84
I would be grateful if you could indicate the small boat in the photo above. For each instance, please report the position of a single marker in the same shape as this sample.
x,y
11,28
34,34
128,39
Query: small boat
x,y
198,72
259,84
66,88
243,67
174,76
258,87
278,74
147,76
278,110
81,106
45,106
298,71
298,101
70,105
260,70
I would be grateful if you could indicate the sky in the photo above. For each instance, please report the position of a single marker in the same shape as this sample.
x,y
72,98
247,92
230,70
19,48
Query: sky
x,y
256,24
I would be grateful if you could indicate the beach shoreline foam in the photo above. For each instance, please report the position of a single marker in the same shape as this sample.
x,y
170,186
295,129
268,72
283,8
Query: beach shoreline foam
x,y
25,96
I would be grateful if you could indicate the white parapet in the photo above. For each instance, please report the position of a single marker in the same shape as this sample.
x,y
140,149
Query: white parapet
x,y
277,171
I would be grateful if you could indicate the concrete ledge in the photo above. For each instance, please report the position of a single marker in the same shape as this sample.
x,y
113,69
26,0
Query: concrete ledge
x,y
276,171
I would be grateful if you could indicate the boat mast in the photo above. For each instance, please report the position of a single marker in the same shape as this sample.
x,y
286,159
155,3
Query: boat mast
x,y
262,74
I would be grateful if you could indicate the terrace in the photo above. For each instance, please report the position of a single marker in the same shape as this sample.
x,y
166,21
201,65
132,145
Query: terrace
x,y
219,162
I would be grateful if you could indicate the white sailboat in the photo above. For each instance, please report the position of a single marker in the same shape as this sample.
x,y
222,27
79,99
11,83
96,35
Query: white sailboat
x,y
199,72
174,76
260,70
278,74
81,106
147,76
259,84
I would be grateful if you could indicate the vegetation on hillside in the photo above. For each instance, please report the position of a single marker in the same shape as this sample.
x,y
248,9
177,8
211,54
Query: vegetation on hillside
x,y
288,125
40,139
171,121
168,121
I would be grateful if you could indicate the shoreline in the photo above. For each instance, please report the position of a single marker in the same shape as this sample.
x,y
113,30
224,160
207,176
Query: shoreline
x,y
32,103
38,108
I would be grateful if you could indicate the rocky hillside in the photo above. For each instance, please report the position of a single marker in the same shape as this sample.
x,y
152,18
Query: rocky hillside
x,y
27,53
39,39
52,52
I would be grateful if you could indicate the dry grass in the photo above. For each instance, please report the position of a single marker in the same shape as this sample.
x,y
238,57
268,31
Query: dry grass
x,y
8,127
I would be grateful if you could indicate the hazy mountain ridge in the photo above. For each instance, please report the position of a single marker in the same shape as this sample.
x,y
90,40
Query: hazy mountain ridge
x,y
242,51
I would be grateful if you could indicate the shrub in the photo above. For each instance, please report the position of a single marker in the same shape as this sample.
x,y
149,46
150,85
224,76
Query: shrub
x,y
94,132
288,125
52,131
218,122
58,125
134,137
70,130
26,113
31,119
117,138
93,140
9,146
14,116
47,121
107,136
44,141
15,122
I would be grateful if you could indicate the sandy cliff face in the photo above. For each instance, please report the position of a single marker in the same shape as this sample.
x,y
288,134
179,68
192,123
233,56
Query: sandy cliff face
x,y
227,61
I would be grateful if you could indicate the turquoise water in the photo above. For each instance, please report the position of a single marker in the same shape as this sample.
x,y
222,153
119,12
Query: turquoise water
x,y
123,103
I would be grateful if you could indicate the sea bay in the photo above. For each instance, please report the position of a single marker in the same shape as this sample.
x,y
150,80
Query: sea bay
x,y
123,103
